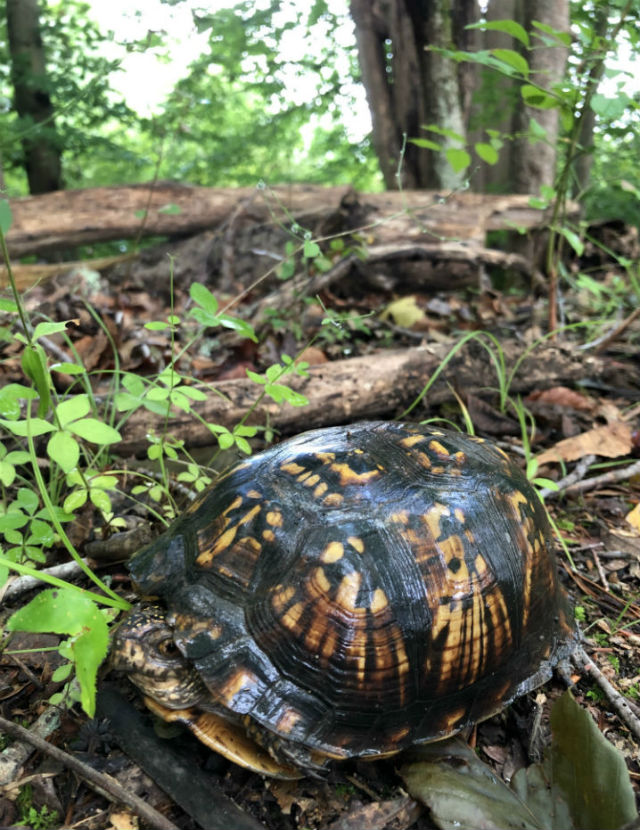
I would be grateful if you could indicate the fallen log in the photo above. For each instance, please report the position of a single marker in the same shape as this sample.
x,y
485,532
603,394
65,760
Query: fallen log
x,y
65,219
380,385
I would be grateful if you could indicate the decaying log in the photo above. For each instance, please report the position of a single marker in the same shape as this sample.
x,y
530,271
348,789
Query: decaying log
x,y
65,219
376,386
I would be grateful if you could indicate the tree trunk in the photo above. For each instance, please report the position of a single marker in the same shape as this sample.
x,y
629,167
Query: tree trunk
x,y
534,164
408,86
40,143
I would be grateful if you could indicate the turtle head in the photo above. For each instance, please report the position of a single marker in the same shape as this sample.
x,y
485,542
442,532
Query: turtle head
x,y
143,647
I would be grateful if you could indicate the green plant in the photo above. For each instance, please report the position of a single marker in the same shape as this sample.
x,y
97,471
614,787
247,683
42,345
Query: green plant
x,y
30,816
78,438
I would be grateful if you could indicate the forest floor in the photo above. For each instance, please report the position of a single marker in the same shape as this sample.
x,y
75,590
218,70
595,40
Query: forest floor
x,y
580,390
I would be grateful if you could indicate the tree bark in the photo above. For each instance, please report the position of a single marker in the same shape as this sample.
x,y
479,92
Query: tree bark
x,y
41,148
408,86
534,164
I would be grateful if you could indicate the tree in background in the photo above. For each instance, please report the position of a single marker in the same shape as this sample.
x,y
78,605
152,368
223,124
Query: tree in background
x,y
405,51
41,145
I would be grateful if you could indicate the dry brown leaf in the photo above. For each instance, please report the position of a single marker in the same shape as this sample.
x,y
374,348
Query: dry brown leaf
x,y
633,518
123,821
563,396
611,441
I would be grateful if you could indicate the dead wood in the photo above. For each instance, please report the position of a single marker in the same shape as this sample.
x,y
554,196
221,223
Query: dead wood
x,y
64,219
375,386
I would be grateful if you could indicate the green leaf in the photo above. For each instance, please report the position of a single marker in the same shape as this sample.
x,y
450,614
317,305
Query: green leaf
x,y
486,152
75,500
45,329
72,409
68,368
225,440
5,218
157,325
64,450
254,376
509,27
512,59
28,500
243,445
34,427
41,533
241,326
573,239
8,306
10,399
424,142
62,673
609,109
7,473
310,249
12,521
101,500
563,37
64,611
95,431
457,158
201,295
34,365
590,771
538,98
461,791
444,131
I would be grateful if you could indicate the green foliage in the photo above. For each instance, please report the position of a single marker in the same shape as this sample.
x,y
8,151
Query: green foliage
x,y
29,816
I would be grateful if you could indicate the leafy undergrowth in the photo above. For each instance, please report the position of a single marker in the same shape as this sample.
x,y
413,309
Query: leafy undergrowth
x,y
79,361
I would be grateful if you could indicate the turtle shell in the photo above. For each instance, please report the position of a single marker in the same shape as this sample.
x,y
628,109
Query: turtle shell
x,y
359,589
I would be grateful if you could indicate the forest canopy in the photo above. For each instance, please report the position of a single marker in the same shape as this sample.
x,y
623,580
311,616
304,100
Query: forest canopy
x,y
275,91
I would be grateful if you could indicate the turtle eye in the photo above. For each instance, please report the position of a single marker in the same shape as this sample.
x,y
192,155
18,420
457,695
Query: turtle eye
x,y
168,648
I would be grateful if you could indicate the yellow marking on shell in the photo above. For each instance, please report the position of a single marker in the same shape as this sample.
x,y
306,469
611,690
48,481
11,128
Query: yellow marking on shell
x,y
350,476
321,489
438,448
438,471
287,721
412,440
333,500
250,514
459,457
240,680
433,516
423,459
282,597
357,652
254,494
319,578
325,457
347,594
459,514
291,619
223,542
453,548
329,643
292,468
480,565
470,537
304,476
268,535
356,543
332,553
401,517
312,480
274,518
233,506
379,601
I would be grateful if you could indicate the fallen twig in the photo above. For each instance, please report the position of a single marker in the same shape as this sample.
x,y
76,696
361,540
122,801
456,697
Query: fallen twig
x,y
619,474
618,702
105,784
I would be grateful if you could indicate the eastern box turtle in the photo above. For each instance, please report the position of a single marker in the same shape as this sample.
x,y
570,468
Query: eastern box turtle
x,y
348,593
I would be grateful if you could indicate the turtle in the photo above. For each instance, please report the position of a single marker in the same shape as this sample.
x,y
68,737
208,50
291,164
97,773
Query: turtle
x,y
348,593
